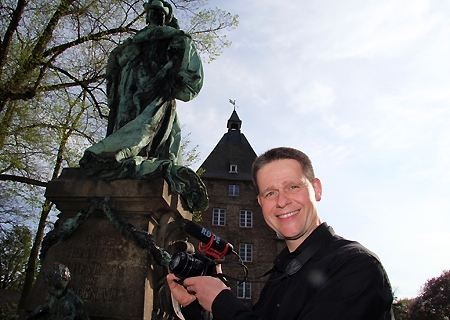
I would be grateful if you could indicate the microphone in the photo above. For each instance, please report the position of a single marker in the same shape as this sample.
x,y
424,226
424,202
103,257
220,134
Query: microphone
x,y
210,244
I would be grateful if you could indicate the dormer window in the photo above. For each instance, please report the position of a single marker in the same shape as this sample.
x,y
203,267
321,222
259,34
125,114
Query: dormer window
x,y
233,168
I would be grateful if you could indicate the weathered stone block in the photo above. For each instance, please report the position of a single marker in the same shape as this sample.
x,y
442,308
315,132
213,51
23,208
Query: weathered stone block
x,y
115,278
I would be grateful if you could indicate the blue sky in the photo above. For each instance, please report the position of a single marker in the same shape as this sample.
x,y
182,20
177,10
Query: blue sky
x,y
363,87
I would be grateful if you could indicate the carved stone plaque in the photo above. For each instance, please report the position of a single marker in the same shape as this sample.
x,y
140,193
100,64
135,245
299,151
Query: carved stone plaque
x,y
115,278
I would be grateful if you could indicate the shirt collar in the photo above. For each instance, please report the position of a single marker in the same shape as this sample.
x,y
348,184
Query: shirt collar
x,y
284,257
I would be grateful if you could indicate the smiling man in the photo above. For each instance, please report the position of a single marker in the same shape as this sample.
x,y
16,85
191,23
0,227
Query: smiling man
x,y
288,200
318,276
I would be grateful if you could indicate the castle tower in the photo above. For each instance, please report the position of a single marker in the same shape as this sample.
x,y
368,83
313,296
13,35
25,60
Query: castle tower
x,y
234,213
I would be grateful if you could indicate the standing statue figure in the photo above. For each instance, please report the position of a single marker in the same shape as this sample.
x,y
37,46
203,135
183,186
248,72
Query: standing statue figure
x,y
145,75
61,303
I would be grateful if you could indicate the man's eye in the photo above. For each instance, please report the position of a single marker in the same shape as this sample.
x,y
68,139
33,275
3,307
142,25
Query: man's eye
x,y
269,194
294,187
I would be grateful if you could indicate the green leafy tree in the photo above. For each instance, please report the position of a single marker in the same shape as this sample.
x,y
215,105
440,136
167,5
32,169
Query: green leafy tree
x,y
52,93
190,153
14,253
48,45
8,312
433,303
54,53
400,308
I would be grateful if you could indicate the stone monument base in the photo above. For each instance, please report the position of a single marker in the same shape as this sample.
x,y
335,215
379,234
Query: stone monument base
x,y
115,278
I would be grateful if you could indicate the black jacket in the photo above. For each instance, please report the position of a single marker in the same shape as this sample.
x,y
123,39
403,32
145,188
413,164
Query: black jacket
x,y
343,280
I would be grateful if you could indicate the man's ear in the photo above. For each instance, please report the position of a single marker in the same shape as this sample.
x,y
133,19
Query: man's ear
x,y
317,186
259,200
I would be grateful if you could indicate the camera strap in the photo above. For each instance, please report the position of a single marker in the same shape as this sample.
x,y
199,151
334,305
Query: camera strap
x,y
298,262
309,251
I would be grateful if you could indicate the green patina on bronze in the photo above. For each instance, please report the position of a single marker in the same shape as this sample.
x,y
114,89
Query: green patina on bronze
x,y
61,302
145,76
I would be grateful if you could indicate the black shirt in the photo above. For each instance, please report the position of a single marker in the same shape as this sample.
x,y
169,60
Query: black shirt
x,y
343,280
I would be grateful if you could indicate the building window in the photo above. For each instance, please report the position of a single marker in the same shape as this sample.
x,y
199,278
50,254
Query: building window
x,y
244,290
233,190
218,218
245,252
246,219
233,168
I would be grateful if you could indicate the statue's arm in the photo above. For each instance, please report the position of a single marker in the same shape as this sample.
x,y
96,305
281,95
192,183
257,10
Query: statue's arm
x,y
191,72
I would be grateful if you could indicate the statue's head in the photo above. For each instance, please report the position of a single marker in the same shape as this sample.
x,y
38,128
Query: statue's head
x,y
57,277
158,12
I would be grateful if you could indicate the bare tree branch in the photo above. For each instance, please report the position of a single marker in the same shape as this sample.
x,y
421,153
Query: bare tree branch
x,y
14,23
91,37
9,177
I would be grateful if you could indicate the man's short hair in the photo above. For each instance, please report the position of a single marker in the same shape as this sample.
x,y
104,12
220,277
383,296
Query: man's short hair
x,y
281,153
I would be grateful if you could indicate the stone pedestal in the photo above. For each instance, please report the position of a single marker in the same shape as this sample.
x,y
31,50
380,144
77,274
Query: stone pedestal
x,y
115,278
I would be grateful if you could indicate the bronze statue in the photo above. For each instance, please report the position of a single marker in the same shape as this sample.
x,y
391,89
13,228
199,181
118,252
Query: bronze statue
x,y
145,75
61,303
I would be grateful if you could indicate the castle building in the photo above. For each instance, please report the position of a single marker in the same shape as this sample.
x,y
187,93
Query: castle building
x,y
234,213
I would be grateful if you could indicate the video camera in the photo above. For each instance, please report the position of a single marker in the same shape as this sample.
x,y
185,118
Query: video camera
x,y
211,247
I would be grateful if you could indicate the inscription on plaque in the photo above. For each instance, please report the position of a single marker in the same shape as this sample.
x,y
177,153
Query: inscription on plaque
x,y
100,264
107,294
112,274
95,253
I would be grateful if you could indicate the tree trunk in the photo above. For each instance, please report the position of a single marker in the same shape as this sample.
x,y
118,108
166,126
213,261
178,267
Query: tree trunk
x,y
31,266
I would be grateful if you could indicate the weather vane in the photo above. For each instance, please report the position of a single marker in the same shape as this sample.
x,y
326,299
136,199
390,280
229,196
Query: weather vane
x,y
233,102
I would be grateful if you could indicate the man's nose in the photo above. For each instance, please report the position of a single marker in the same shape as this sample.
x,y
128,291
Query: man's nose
x,y
283,200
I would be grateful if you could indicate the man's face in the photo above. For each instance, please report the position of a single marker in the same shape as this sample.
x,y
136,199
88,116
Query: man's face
x,y
288,200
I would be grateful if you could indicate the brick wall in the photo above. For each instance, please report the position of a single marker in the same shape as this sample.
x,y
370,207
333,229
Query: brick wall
x,y
265,245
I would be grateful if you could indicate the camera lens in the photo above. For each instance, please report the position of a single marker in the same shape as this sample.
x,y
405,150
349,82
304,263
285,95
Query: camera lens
x,y
174,262
185,265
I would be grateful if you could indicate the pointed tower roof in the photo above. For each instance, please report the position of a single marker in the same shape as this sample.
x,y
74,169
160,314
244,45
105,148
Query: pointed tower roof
x,y
232,157
234,123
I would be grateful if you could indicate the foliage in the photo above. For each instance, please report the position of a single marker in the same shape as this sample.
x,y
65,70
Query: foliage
x,y
52,66
8,312
52,94
190,154
16,247
211,43
433,303
400,308
12,211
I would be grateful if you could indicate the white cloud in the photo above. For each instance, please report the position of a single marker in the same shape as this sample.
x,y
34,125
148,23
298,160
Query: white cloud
x,y
362,87
315,97
365,29
402,125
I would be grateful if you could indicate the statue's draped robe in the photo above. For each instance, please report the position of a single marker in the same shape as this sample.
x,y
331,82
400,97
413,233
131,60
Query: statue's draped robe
x,y
145,75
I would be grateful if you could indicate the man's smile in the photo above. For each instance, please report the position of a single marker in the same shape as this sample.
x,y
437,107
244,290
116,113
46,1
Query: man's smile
x,y
289,214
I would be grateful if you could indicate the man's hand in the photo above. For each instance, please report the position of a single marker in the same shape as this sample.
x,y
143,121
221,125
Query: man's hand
x,y
178,291
205,289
